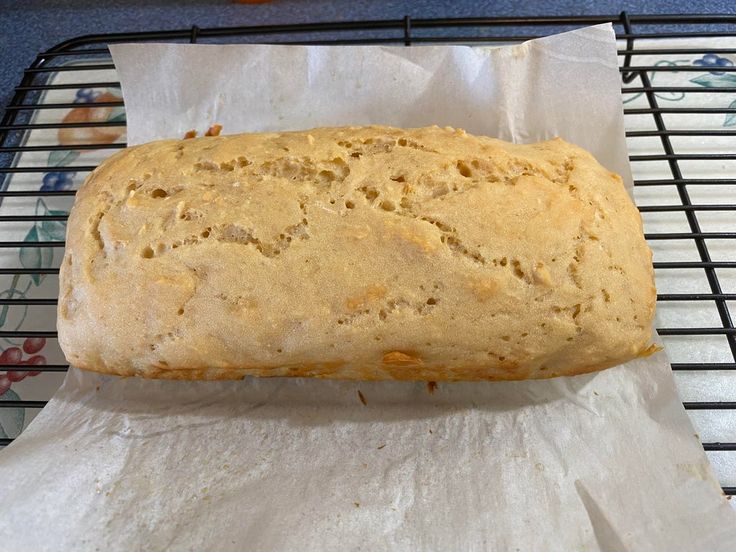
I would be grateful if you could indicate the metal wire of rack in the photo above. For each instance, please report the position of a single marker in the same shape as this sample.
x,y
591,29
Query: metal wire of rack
x,y
677,137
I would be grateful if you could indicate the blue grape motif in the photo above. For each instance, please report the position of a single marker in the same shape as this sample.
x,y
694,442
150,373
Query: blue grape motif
x,y
85,95
715,61
57,181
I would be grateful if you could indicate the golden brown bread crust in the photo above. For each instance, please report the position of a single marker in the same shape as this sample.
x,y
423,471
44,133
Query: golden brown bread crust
x,y
360,253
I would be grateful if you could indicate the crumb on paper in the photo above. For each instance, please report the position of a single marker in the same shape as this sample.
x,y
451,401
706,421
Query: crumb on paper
x,y
595,393
214,130
357,504
383,445
362,398
430,430
649,351
431,387
190,134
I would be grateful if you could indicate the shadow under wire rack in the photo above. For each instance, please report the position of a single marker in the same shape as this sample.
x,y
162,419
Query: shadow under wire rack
x,y
679,89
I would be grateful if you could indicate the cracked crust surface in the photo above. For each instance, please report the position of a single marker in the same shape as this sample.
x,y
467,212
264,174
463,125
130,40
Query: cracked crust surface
x,y
361,252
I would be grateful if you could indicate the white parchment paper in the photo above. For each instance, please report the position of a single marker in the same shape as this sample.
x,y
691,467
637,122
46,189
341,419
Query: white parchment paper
x,y
607,461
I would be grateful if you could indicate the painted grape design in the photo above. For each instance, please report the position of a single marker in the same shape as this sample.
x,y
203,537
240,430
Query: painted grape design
x,y
14,355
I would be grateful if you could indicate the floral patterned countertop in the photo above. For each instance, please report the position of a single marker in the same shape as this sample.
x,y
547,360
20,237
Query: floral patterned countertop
x,y
36,385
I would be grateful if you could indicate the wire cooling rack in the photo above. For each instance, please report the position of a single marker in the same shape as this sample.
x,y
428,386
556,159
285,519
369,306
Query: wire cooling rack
x,y
679,87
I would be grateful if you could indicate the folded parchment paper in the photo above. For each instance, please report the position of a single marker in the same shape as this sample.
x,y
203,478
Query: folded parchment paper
x,y
600,462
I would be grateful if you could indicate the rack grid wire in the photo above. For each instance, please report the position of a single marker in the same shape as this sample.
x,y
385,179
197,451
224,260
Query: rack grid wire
x,y
679,89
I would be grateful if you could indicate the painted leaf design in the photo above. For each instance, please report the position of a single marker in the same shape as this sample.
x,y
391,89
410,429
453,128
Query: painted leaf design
x,y
117,115
730,117
59,158
50,230
118,118
41,206
11,419
54,229
727,80
36,257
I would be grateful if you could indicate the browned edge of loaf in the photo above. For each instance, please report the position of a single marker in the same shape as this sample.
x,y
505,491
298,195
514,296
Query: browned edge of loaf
x,y
369,373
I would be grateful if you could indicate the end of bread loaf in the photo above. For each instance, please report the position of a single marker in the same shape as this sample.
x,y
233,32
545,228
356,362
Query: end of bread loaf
x,y
359,252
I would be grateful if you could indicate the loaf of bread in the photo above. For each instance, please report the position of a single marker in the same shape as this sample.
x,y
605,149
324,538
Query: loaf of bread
x,y
361,253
